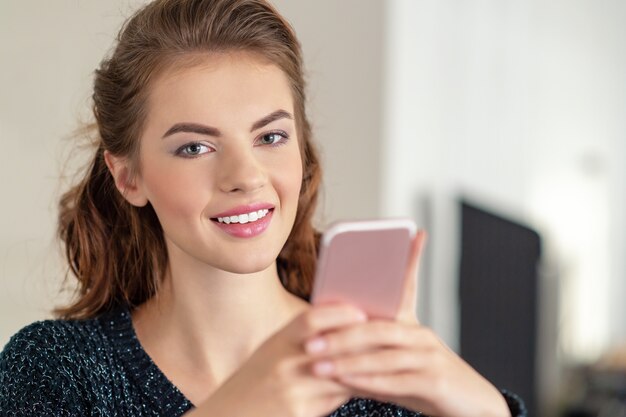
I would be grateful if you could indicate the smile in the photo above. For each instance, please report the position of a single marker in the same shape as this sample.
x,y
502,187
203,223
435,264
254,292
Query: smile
x,y
244,218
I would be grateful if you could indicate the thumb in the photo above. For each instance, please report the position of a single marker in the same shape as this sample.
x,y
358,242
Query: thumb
x,y
408,305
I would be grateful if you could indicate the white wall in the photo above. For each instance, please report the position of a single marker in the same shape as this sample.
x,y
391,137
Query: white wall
x,y
579,129
343,50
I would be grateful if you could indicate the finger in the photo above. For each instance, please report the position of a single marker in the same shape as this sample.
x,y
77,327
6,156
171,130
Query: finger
x,y
323,318
333,402
389,385
323,394
324,386
383,361
367,336
419,242
408,305
408,390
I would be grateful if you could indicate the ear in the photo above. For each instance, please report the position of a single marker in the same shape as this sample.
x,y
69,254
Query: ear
x,y
127,184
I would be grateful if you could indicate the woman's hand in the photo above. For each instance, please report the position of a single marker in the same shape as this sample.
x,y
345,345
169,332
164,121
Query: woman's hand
x,y
277,379
408,365
405,363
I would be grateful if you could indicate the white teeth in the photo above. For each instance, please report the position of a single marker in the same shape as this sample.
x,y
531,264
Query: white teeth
x,y
244,218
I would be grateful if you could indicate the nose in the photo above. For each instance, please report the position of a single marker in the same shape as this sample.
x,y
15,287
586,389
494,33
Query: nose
x,y
241,171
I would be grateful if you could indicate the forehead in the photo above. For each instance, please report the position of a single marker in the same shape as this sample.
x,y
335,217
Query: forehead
x,y
220,89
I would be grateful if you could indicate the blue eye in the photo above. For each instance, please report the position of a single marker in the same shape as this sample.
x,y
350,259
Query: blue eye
x,y
273,138
193,149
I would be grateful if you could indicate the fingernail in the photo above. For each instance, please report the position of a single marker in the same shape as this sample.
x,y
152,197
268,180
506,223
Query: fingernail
x,y
316,345
323,368
361,316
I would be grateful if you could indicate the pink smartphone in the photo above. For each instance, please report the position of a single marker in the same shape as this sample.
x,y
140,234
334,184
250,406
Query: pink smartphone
x,y
364,263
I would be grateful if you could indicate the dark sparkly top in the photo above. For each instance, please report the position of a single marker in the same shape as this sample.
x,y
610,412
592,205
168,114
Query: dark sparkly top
x,y
97,367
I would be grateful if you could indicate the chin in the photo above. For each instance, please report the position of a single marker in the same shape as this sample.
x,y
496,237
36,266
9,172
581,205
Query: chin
x,y
248,266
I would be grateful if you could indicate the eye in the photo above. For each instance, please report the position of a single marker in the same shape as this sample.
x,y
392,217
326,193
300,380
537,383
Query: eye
x,y
273,138
193,149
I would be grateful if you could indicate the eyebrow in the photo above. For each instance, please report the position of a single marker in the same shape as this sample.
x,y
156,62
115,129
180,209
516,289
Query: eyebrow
x,y
272,117
212,131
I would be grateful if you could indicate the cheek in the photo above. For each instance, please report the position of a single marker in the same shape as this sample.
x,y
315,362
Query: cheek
x,y
174,192
290,177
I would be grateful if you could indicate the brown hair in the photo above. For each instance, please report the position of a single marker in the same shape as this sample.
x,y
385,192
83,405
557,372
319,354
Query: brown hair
x,y
116,250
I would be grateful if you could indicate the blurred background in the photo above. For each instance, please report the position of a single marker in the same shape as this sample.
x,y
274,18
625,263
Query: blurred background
x,y
498,125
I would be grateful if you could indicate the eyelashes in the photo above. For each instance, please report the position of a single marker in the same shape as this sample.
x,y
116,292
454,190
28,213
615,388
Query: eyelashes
x,y
277,137
195,149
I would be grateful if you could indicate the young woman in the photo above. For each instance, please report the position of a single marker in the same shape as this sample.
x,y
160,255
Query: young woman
x,y
191,239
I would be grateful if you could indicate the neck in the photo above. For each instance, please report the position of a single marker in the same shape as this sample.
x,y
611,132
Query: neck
x,y
210,320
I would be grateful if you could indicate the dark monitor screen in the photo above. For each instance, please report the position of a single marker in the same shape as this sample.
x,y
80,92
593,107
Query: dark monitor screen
x,y
498,297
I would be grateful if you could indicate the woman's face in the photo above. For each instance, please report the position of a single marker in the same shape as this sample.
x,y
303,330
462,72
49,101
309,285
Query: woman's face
x,y
220,161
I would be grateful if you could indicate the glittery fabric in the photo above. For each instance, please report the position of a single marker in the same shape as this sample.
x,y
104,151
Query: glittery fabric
x,y
98,368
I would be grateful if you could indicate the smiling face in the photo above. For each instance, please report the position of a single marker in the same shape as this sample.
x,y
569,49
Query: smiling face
x,y
220,162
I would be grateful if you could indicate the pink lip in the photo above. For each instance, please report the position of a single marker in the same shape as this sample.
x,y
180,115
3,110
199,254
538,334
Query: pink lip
x,y
246,230
247,208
